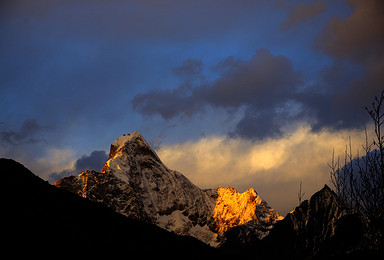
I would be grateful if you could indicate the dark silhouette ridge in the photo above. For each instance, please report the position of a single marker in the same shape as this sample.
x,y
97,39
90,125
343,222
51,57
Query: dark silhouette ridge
x,y
42,220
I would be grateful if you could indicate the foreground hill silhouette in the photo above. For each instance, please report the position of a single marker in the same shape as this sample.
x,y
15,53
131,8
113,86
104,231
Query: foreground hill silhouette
x,y
42,220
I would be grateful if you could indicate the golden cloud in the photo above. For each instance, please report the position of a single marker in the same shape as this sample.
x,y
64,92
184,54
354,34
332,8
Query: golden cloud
x,y
274,167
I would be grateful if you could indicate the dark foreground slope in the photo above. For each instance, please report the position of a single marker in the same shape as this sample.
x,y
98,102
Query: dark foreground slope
x,y
40,219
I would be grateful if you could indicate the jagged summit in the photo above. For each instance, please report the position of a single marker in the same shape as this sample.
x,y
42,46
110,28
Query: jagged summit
x,y
130,149
127,138
120,142
247,212
234,209
326,190
319,227
133,143
135,183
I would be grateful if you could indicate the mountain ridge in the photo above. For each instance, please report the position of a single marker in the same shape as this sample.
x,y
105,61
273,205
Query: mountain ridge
x,y
45,220
135,183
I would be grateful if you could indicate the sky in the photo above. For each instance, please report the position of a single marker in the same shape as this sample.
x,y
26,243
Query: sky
x,y
248,94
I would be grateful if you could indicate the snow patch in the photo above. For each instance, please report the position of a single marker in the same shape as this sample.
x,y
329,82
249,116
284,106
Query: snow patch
x,y
181,225
126,138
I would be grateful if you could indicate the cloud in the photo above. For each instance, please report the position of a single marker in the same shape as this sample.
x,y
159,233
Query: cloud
x,y
273,166
273,95
359,36
32,145
303,12
166,103
54,160
268,122
356,45
253,84
25,135
190,67
94,161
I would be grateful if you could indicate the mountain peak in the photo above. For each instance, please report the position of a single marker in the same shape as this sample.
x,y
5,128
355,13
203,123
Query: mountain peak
x,y
124,140
128,137
326,188
135,183
129,150
233,209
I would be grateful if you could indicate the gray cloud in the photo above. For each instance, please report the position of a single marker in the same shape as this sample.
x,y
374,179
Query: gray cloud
x,y
266,83
359,36
257,123
261,84
94,161
190,67
356,45
241,83
27,134
302,12
166,103
263,81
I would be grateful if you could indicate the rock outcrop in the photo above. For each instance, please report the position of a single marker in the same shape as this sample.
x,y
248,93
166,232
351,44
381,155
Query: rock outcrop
x,y
234,209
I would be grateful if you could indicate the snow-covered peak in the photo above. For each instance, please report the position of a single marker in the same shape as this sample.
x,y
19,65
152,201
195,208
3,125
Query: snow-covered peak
x,y
127,138
135,183
124,140
132,144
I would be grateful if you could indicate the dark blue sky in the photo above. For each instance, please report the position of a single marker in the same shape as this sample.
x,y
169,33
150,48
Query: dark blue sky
x,y
76,74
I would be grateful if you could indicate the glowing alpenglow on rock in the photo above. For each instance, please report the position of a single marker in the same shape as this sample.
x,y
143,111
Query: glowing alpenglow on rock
x,y
135,183
234,209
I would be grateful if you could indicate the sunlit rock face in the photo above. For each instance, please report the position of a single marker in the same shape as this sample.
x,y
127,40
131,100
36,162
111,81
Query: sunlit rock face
x,y
135,183
234,209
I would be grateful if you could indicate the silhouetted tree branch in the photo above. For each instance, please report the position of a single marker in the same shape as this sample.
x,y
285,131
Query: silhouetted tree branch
x,y
300,194
359,181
